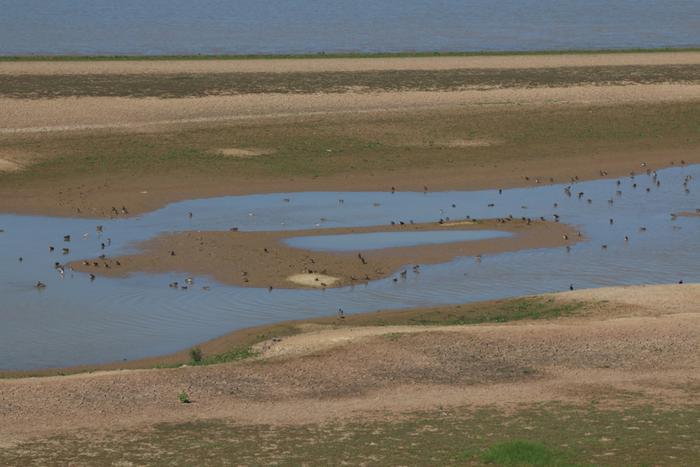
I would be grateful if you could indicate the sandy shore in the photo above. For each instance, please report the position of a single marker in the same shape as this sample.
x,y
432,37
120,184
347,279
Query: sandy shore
x,y
261,259
638,340
81,156
351,64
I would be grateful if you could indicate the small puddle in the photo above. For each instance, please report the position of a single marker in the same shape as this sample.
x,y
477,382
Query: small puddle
x,y
379,240
78,321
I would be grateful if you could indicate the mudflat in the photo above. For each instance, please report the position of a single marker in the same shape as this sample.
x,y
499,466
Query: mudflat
x,y
262,259
73,134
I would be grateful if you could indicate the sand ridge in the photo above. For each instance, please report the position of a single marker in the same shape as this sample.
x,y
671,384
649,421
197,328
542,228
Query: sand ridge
x,y
349,64
22,116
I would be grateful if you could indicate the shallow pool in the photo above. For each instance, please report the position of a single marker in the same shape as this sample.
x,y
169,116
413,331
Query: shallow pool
x,y
378,240
77,321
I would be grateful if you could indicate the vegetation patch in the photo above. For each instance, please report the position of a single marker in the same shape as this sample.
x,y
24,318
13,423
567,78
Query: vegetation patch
x,y
498,311
557,435
522,453
367,144
230,356
218,84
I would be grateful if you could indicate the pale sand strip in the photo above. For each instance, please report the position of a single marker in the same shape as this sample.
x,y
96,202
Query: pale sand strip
x,y
8,165
88,113
313,280
666,298
349,64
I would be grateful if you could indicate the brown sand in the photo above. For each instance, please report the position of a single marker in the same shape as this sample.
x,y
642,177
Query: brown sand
x,y
94,113
345,372
350,64
261,259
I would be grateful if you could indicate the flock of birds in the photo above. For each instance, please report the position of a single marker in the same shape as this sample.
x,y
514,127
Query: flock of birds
x,y
568,191
61,268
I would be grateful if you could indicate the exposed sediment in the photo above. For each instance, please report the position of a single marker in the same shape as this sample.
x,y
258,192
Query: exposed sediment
x,y
262,259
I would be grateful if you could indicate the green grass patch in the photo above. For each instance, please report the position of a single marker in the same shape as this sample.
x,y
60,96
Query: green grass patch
x,y
522,453
514,310
180,85
498,311
233,355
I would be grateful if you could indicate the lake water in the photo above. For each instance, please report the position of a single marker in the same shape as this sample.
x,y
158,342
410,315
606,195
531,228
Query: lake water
x,y
76,321
311,26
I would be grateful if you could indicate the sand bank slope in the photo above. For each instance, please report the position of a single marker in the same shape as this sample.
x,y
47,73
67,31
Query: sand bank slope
x,y
352,371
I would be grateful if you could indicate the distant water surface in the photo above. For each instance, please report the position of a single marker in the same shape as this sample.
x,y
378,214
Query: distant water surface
x,y
89,27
